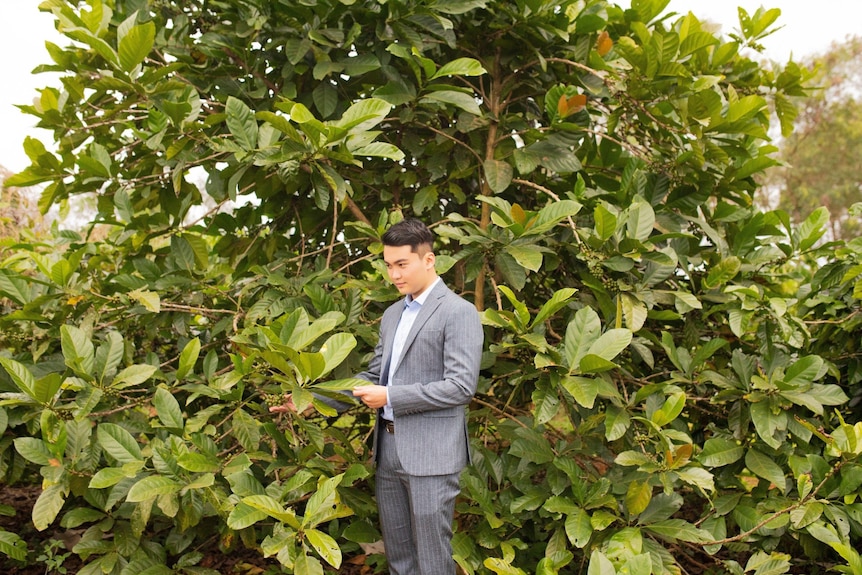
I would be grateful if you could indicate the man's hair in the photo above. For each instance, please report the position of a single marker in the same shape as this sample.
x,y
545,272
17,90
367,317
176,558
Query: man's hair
x,y
410,232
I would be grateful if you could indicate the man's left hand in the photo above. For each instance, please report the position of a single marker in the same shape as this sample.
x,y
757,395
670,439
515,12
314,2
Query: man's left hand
x,y
374,396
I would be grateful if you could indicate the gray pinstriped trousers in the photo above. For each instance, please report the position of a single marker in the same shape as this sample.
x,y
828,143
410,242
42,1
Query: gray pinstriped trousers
x,y
416,514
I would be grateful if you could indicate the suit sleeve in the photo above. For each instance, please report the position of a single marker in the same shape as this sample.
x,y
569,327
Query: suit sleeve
x,y
449,359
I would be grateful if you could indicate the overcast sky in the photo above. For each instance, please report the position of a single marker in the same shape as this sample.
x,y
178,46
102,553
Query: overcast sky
x,y
809,27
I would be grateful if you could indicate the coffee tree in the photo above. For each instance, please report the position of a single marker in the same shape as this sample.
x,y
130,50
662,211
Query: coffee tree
x,y
670,376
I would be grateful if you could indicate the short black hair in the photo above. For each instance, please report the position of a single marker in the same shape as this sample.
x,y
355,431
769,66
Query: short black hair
x,y
410,232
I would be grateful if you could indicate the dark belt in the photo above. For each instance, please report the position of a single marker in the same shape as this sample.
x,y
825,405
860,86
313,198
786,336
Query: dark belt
x,y
389,426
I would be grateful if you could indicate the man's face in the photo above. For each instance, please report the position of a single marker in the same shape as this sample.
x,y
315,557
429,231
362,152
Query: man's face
x,y
411,272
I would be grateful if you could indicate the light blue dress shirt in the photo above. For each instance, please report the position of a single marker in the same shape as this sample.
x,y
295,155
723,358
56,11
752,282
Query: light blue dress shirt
x,y
408,316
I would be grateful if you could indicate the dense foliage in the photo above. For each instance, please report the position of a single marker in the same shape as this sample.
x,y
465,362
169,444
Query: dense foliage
x,y
671,377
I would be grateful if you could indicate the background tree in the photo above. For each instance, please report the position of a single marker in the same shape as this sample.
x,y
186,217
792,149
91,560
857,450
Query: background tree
x,y
668,369
821,156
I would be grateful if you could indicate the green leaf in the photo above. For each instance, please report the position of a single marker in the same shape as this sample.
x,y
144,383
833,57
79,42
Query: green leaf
x,y
804,516
812,229
246,429
527,256
803,371
722,272
325,545
363,115
641,220
828,394
592,363
152,487
244,515
579,529
336,349
20,376
133,375
188,358
460,100
600,565
13,546
581,333
136,45
380,150
272,508
307,565
78,350
698,477
168,409
718,452
12,285
638,496
606,222
558,301
48,506
679,529
583,389
110,476
498,174
118,443
149,299
33,449
460,67
198,463
768,424
108,356
241,123
672,407
764,466
617,422
551,215
611,343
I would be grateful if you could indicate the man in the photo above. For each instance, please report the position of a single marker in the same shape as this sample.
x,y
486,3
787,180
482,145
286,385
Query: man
x,y
424,372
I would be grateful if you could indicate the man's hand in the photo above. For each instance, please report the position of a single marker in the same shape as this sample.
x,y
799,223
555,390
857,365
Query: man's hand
x,y
374,396
287,406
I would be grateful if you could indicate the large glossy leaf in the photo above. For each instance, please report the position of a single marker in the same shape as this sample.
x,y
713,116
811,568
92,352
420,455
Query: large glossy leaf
x,y
611,343
498,174
764,466
108,356
460,67
188,358
135,45
336,349
168,409
78,350
581,333
151,487
118,443
578,528
325,546
48,506
20,375
241,123
718,452
455,98
133,375
364,115
13,546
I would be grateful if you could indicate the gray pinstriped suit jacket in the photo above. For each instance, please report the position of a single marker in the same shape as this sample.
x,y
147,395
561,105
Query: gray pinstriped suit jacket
x,y
433,382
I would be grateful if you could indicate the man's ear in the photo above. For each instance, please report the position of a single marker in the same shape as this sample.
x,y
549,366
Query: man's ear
x,y
430,259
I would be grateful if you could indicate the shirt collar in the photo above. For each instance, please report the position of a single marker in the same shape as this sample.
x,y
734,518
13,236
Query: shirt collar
x,y
423,296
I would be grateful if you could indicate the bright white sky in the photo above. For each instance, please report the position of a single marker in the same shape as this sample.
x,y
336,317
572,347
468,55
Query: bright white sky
x,y
809,27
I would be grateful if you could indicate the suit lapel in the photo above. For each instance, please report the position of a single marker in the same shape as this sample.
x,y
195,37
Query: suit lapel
x,y
425,313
